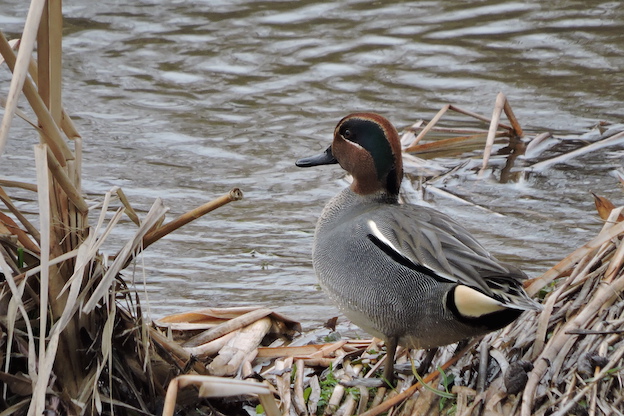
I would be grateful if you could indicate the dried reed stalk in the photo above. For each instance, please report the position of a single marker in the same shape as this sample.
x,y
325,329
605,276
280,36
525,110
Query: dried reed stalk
x,y
614,140
234,195
19,65
51,131
219,387
501,105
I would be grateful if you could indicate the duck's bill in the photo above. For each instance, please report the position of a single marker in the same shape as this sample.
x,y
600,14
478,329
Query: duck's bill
x,y
325,158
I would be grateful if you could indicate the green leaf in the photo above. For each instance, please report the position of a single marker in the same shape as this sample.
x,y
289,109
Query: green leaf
x,y
430,387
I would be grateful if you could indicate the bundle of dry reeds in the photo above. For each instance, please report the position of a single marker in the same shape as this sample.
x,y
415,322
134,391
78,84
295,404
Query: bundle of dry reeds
x,y
72,336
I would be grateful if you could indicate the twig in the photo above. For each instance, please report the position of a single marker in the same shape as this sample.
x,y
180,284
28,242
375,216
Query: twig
x,y
429,126
19,65
477,116
15,184
298,399
155,235
512,119
447,143
533,143
610,141
498,109
52,134
483,366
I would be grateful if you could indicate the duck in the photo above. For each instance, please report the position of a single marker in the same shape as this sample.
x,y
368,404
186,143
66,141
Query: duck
x,y
407,274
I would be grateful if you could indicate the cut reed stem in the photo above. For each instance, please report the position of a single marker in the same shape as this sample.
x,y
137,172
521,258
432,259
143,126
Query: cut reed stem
x,y
155,235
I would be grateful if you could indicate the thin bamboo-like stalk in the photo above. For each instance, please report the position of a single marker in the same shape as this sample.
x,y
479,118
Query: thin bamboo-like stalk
x,y
55,37
516,129
496,113
16,184
530,148
67,124
13,43
66,184
477,116
20,65
44,276
429,126
298,399
614,140
43,57
449,143
52,135
234,195
615,265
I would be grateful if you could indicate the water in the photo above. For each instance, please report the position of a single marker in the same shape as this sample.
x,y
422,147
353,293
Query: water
x,y
185,100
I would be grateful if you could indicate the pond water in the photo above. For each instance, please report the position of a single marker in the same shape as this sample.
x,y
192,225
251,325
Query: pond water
x,y
185,100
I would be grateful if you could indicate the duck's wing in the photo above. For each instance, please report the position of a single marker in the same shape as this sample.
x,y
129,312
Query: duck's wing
x,y
433,243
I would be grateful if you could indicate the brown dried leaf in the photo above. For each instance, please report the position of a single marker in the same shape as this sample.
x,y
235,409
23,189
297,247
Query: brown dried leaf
x,y
603,206
18,384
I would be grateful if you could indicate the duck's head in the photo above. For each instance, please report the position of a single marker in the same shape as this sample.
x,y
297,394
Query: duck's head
x,y
368,147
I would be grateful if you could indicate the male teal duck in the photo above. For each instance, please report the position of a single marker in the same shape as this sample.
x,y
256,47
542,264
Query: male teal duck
x,y
407,274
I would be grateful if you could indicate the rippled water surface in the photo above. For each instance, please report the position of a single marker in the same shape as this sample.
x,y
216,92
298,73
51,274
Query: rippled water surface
x,y
185,100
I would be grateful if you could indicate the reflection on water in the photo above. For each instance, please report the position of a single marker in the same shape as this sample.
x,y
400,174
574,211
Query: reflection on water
x,y
184,100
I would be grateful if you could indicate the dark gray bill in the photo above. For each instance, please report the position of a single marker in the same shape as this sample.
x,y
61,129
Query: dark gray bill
x,y
325,158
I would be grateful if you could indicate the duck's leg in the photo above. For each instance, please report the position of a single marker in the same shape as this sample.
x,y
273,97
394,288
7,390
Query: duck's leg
x,y
391,346
424,366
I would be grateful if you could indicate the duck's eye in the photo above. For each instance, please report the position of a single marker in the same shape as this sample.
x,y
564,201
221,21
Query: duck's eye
x,y
347,134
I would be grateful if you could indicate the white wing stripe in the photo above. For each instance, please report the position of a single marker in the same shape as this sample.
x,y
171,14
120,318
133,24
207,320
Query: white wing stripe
x,y
377,233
